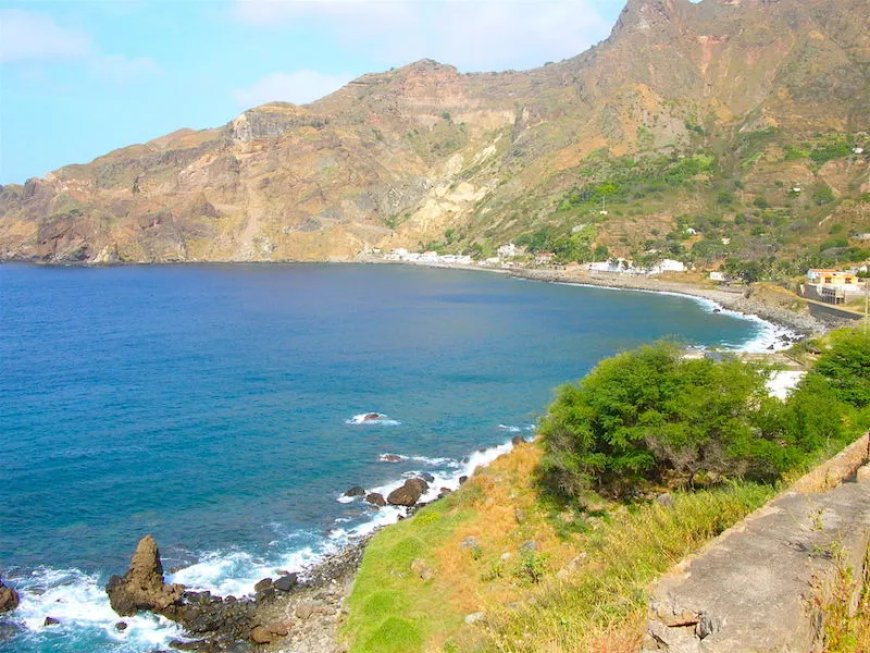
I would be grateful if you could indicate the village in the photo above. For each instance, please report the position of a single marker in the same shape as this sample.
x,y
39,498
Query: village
x,y
830,286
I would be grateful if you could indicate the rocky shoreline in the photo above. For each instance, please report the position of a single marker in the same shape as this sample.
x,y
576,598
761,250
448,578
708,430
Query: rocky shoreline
x,y
740,300
302,610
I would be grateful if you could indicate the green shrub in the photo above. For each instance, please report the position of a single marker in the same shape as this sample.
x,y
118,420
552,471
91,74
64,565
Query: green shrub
x,y
651,415
823,195
846,366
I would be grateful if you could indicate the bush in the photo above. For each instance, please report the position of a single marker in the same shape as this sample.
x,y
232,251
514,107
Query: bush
x,y
651,415
846,366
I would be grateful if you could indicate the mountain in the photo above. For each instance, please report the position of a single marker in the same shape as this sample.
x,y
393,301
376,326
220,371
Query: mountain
x,y
689,124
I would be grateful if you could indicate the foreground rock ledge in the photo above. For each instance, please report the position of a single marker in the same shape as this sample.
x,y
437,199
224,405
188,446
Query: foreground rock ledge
x,y
754,588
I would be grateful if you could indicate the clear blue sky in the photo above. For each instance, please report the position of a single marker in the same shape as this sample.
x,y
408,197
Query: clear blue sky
x,y
80,78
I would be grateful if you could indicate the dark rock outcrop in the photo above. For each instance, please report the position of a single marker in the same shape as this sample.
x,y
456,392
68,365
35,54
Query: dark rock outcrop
x,y
286,583
8,598
356,491
409,493
376,499
200,613
143,587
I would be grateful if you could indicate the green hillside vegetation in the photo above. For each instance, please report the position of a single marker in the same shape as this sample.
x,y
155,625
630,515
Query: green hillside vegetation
x,y
682,202
553,547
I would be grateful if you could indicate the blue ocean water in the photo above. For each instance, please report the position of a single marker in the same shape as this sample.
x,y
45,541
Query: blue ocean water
x,y
213,406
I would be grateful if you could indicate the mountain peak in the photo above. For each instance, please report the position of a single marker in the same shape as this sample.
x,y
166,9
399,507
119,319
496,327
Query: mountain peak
x,y
646,14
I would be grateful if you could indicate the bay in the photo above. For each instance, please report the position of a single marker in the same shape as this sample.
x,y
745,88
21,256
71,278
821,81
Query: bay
x,y
213,407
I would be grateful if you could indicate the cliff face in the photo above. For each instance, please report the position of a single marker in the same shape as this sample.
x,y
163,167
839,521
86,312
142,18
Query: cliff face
x,y
398,158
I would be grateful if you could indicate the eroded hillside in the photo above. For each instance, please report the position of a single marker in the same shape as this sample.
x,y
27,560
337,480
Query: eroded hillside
x,y
704,116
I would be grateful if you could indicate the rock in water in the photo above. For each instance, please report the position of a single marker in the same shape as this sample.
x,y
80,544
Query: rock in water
x,y
142,587
8,598
409,493
376,499
356,491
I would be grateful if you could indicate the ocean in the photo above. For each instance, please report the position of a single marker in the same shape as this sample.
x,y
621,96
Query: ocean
x,y
218,408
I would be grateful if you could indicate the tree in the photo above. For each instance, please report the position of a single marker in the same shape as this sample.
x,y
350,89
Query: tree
x,y
847,367
651,415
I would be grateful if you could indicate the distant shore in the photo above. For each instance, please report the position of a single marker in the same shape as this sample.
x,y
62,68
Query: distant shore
x,y
740,300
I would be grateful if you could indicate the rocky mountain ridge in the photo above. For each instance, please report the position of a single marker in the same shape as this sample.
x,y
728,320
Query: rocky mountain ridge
x,y
426,155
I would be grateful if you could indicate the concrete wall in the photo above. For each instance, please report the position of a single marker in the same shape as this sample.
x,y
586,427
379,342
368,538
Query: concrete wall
x,y
756,588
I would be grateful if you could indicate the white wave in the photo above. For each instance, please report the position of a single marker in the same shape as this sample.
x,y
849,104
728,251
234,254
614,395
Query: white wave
x,y
236,572
509,428
435,462
80,603
769,337
366,419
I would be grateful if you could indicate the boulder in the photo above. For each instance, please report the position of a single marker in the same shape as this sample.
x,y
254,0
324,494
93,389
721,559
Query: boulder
x,y
142,587
263,584
474,617
8,598
286,583
356,491
426,476
121,626
390,458
261,635
421,569
50,621
279,628
409,493
305,610
517,440
376,499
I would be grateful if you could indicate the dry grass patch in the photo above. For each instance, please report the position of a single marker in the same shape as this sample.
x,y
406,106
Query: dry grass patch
x,y
545,579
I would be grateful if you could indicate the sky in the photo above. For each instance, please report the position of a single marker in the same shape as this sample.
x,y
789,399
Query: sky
x,y
81,78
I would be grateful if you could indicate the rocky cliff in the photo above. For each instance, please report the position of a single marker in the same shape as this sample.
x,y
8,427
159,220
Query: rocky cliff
x,y
423,153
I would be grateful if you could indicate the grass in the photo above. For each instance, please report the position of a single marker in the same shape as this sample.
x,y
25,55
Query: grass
x,y
547,579
602,606
847,630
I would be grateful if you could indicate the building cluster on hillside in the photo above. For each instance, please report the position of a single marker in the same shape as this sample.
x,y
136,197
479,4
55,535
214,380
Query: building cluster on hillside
x,y
428,258
624,266
507,255
834,286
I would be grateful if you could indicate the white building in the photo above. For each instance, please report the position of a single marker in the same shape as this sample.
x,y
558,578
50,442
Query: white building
x,y
667,265
717,276
618,265
508,251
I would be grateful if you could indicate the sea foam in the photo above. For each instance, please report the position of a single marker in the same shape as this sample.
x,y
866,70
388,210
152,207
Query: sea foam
x,y
80,603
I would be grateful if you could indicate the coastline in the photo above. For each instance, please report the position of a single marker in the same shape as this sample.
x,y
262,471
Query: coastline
x,y
326,590
742,301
